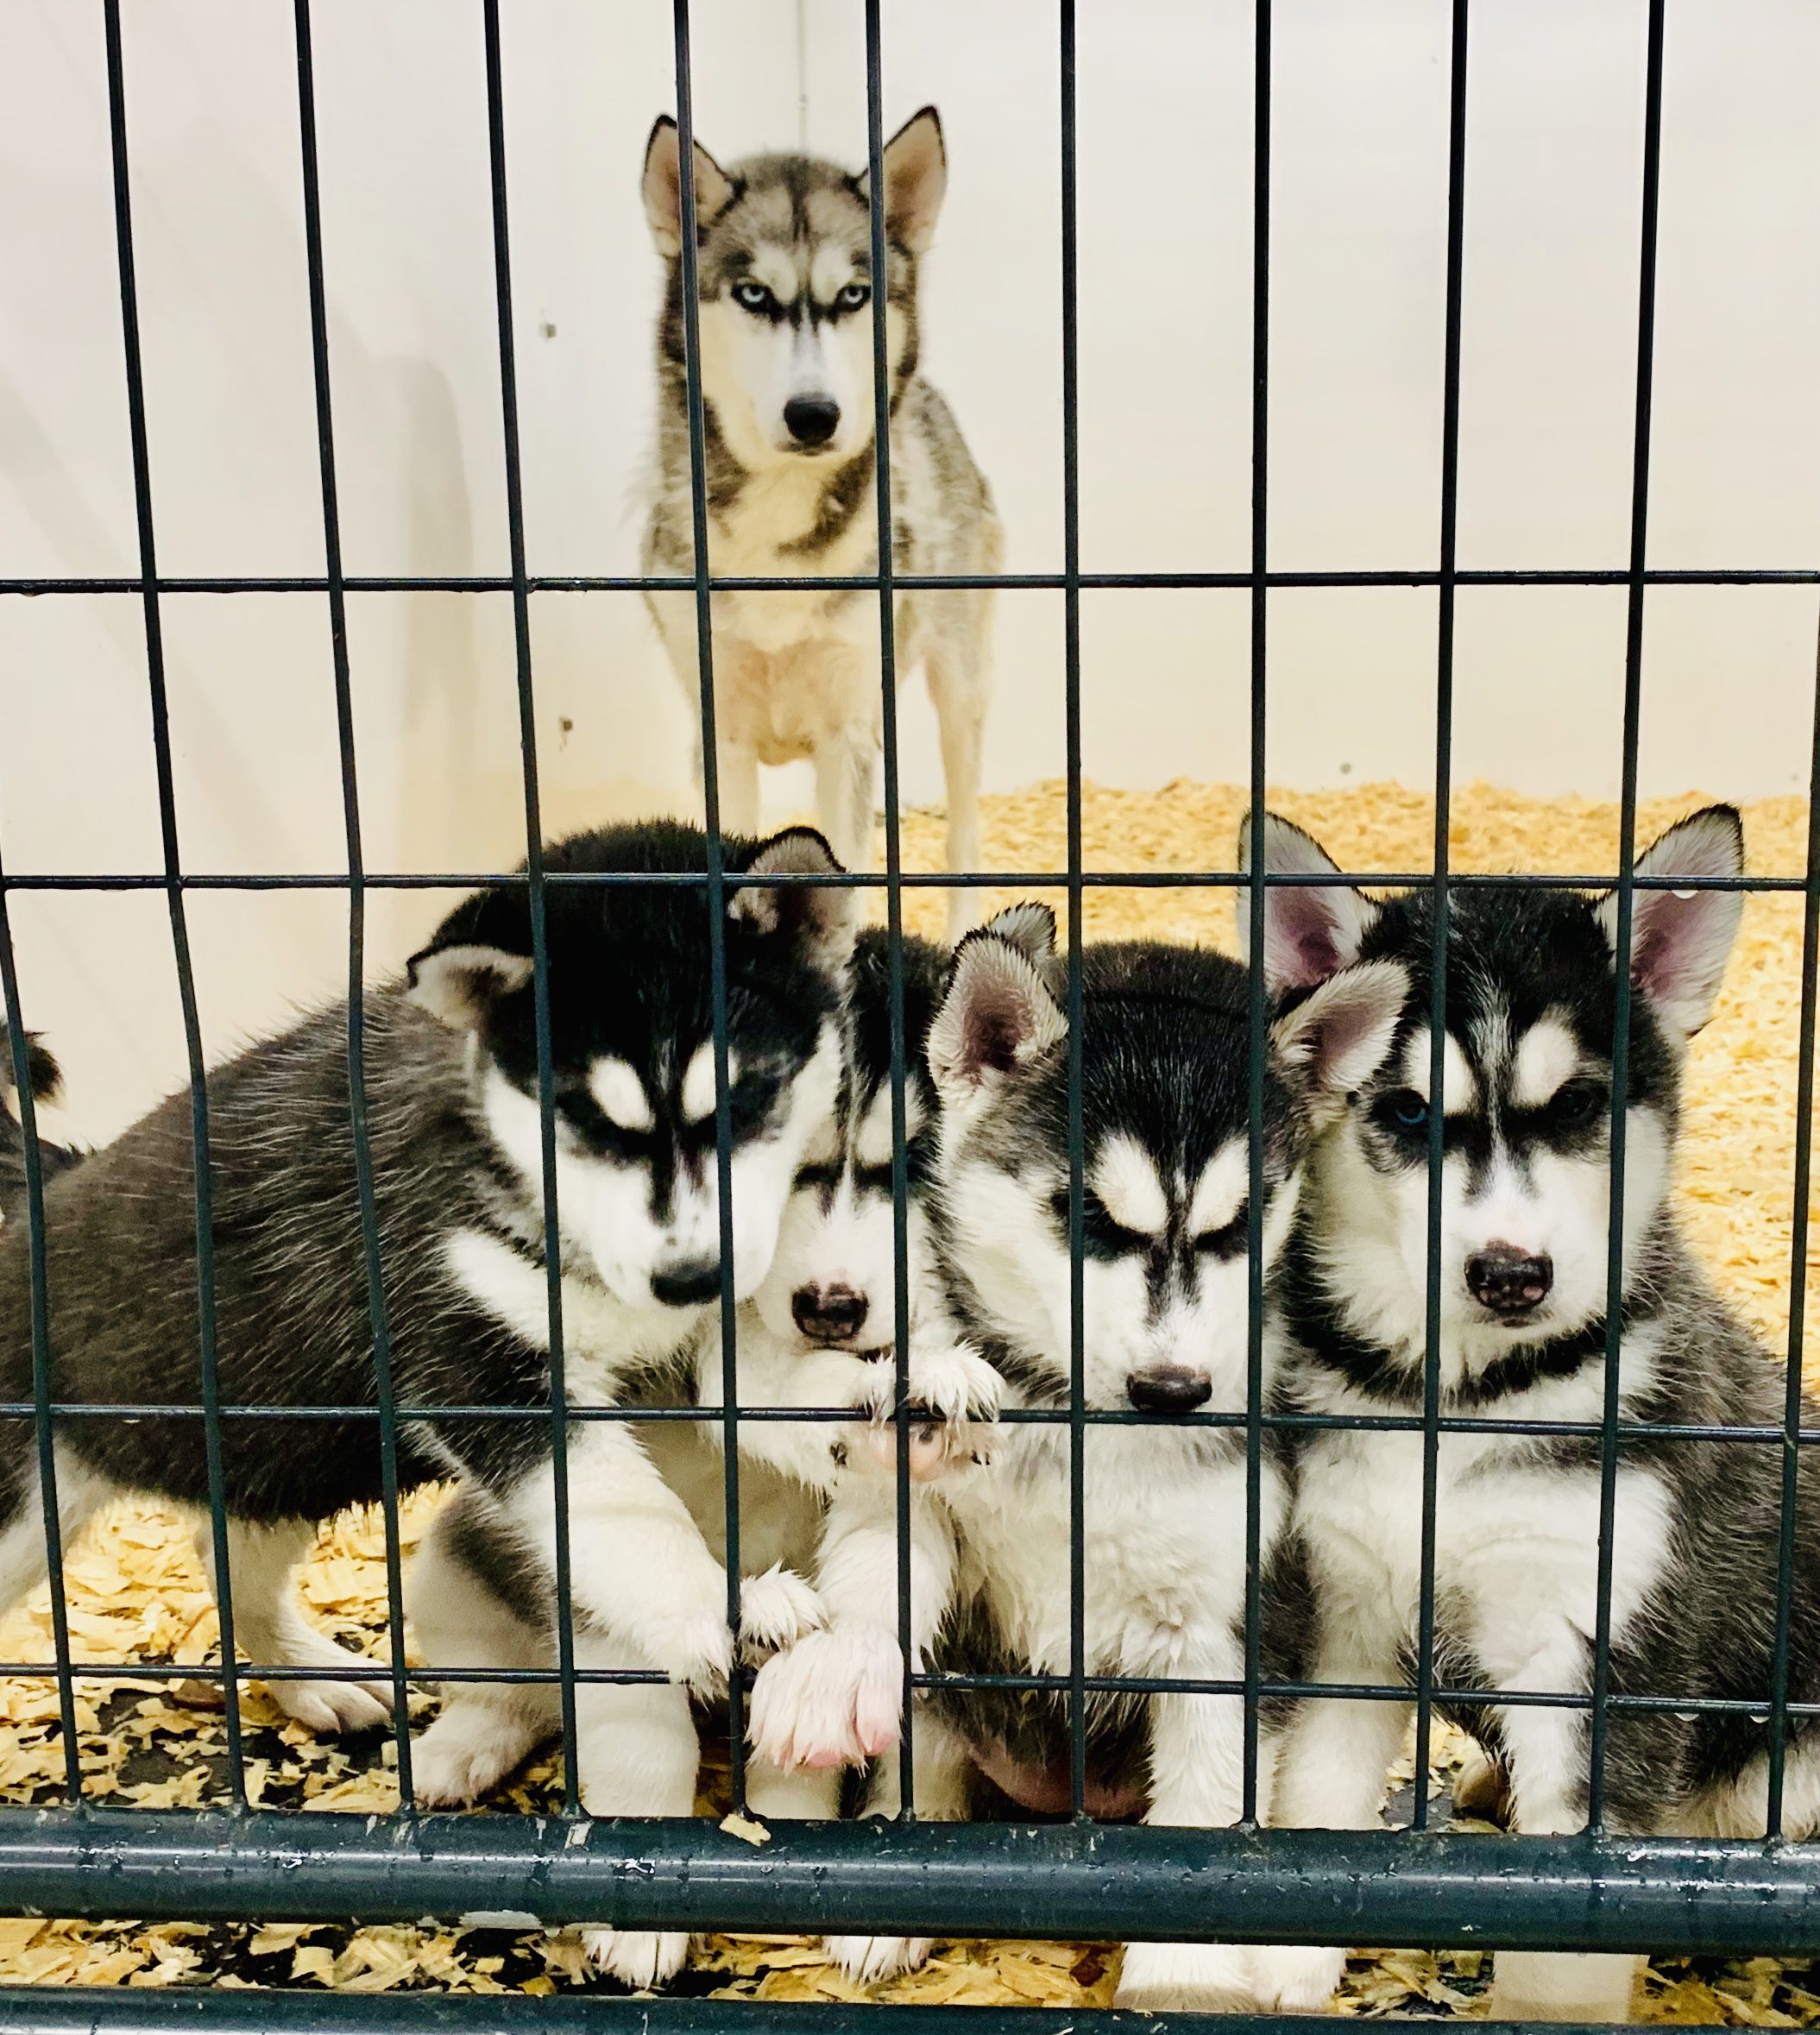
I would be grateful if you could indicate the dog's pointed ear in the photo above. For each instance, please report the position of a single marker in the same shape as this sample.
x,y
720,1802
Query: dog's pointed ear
x,y
997,1016
1030,927
914,162
825,918
1680,939
714,189
481,953
1335,1040
1311,930
41,1069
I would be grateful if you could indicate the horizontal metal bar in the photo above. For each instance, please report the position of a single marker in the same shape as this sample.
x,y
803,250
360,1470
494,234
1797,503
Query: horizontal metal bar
x,y
1048,583
169,2011
1073,1882
1102,880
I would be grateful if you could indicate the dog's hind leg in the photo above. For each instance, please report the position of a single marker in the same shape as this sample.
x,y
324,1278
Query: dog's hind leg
x,y
271,1630
959,666
81,1493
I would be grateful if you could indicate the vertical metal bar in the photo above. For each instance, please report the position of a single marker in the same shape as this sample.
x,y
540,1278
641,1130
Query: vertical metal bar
x,y
1259,1012
1626,898
535,890
716,867
21,1049
357,900
893,857
1438,986
209,1380
1077,998
1797,1285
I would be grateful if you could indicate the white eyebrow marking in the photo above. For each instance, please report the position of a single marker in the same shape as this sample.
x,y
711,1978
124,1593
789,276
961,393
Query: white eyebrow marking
x,y
614,1085
1546,1055
697,1096
1220,1192
775,269
830,272
1460,1085
1125,1178
872,1140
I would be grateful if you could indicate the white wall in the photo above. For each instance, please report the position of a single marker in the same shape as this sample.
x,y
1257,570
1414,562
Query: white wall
x,y
1165,210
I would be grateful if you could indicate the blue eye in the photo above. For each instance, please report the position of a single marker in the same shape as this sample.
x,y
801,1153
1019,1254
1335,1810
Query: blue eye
x,y
854,297
1408,1111
751,296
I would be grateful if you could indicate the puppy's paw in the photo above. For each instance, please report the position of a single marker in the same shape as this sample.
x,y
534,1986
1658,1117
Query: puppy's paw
x,y
866,1959
466,1752
954,1395
327,1708
1203,1978
694,1649
1295,1978
776,1610
835,1700
636,1957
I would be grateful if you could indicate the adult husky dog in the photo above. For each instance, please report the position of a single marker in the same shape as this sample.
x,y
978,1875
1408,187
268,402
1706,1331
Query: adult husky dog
x,y
1526,1098
786,355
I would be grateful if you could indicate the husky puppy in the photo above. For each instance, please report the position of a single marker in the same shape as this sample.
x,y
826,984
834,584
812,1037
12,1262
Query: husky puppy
x,y
786,348
1531,983
1167,1181
454,1133
808,1338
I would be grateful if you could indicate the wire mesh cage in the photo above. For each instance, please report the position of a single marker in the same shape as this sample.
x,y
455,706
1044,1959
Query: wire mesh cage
x,y
1603,1888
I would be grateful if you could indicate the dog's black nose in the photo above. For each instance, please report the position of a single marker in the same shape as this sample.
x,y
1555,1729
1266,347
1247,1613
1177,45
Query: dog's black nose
x,y
1508,1281
811,419
689,1282
828,1313
1168,1388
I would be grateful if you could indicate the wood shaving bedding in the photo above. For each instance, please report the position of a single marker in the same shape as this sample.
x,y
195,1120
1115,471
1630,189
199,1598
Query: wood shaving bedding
x,y
136,1594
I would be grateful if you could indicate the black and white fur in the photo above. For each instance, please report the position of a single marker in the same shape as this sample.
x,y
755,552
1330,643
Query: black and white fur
x,y
473,1604
1531,985
453,1121
786,364
1167,1178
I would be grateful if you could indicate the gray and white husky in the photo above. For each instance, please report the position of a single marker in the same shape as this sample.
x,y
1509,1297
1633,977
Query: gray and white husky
x,y
1527,1091
455,1141
1164,1097
786,286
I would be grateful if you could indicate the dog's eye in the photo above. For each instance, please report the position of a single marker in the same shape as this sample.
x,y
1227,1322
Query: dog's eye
x,y
1579,1102
826,1174
855,297
1406,1109
754,296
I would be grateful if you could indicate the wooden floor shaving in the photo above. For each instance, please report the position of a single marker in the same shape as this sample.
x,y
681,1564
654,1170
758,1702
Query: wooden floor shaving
x,y
136,1592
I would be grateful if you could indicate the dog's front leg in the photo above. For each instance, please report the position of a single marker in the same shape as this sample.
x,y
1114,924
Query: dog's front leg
x,y
1197,1782
847,775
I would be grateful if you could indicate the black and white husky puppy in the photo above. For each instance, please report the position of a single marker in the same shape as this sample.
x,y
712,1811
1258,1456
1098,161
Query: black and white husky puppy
x,y
1531,984
1164,1098
454,1127
809,1338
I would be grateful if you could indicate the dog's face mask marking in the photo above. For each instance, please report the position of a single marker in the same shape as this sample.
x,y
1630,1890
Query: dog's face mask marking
x,y
632,1060
1167,1178
1526,1085
786,286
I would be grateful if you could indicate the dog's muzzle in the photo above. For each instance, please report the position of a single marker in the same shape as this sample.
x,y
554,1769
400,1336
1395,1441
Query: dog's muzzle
x,y
1169,1388
1510,1283
830,1315
811,420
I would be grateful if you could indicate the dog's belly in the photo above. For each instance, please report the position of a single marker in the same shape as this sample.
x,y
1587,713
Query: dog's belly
x,y
788,675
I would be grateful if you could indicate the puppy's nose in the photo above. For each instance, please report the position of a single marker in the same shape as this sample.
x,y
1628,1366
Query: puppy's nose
x,y
1168,1388
811,419
828,1313
1508,1281
689,1282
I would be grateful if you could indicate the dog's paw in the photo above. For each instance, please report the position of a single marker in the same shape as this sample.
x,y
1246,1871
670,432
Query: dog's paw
x,y
694,1649
636,1957
327,1708
1295,1978
954,1395
866,1959
465,1753
776,1610
1204,1978
835,1700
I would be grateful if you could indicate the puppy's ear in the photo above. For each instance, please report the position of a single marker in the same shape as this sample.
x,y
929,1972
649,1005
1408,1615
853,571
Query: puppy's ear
x,y
1030,928
1311,930
824,917
40,1068
663,187
1680,939
1335,1040
481,953
998,1018
914,162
